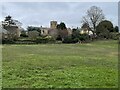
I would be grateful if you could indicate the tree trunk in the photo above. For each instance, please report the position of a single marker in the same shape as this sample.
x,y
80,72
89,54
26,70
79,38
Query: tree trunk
x,y
94,30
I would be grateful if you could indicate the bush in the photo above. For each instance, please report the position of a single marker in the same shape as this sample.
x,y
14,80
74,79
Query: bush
x,y
114,36
84,37
8,42
41,40
47,39
50,39
68,40
118,36
75,40
23,35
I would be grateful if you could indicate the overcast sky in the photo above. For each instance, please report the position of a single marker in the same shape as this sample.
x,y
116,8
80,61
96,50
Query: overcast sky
x,y
41,13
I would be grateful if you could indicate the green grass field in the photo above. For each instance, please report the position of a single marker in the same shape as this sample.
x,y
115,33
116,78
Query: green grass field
x,y
92,65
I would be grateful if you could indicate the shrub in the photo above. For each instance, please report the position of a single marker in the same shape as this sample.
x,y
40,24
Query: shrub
x,y
68,40
114,36
23,35
84,37
41,40
75,40
50,39
8,42
47,39
118,36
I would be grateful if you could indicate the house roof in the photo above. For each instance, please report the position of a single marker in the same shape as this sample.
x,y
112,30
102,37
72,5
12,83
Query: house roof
x,y
85,25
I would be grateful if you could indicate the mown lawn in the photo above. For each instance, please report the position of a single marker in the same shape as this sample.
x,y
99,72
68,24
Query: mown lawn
x,y
92,65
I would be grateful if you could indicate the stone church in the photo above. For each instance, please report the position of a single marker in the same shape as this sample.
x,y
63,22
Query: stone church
x,y
51,31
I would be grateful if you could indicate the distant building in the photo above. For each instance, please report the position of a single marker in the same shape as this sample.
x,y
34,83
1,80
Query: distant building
x,y
44,31
85,29
51,31
53,24
69,31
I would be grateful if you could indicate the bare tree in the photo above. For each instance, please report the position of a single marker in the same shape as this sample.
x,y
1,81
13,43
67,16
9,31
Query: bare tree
x,y
94,17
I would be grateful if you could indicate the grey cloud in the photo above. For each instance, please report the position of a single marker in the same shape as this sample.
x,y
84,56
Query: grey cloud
x,y
40,13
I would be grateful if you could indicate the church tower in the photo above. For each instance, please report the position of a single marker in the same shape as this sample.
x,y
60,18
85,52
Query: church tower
x,y
53,24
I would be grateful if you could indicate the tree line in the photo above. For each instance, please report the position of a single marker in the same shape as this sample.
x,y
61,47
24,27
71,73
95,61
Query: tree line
x,y
95,22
